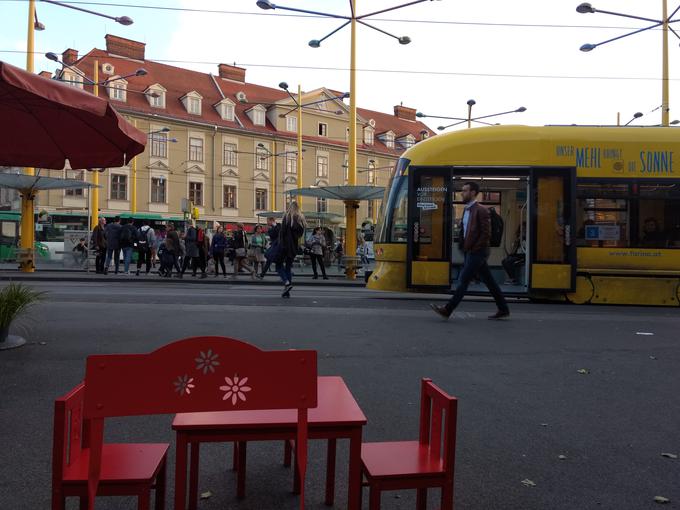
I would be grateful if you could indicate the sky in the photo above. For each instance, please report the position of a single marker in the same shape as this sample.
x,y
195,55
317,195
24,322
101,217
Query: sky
x,y
502,54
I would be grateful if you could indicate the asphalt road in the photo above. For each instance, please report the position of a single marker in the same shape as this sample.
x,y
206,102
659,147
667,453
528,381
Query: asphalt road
x,y
523,402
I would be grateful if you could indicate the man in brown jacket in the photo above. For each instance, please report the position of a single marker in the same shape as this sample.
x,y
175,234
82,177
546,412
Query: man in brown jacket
x,y
475,235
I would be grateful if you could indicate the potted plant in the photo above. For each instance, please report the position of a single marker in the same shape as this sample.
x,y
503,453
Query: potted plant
x,y
15,299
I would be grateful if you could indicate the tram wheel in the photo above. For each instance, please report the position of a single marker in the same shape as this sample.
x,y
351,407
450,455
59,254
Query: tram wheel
x,y
585,290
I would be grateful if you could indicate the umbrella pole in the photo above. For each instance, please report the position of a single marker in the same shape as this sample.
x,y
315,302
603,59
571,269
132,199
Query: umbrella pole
x,y
27,231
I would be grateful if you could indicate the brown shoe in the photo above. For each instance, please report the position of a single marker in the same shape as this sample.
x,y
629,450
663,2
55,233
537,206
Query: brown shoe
x,y
442,311
499,315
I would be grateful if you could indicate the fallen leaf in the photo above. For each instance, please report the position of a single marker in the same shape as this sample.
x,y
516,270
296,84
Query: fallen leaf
x,y
661,499
644,333
206,495
583,371
544,424
562,457
528,483
42,343
652,357
669,455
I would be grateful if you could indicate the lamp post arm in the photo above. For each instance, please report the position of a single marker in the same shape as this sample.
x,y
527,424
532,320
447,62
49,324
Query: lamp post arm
x,y
494,115
114,18
629,16
441,117
334,31
674,32
297,103
377,29
629,34
674,13
390,9
442,128
305,11
351,7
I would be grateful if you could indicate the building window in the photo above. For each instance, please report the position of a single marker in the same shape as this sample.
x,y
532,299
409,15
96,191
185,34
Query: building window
x,y
194,105
260,199
226,111
229,197
345,167
158,190
118,187
291,162
371,208
389,140
368,136
158,99
371,172
321,205
229,154
73,80
196,193
262,159
159,145
291,123
408,141
322,166
196,149
78,175
117,91
258,117
323,129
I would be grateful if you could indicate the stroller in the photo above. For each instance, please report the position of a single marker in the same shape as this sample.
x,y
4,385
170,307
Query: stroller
x,y
167,260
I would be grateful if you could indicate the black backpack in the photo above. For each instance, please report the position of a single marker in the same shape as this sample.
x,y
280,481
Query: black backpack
x,y
126,236
497,227
143,238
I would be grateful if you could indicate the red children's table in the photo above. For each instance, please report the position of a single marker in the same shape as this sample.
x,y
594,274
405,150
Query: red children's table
x,y
337,416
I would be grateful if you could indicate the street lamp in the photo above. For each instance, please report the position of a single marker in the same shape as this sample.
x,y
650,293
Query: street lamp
x,y
636,115
27,223
664,22
469,119
352,20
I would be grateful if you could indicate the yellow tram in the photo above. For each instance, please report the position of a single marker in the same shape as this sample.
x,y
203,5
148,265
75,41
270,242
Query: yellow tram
x,y
590,214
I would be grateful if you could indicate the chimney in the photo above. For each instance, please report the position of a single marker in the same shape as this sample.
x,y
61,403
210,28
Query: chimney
x,y
45,74
69,56
125,47
405,113
232,73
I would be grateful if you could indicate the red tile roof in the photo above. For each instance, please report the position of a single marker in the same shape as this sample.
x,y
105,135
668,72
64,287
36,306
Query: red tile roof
x,y
179,81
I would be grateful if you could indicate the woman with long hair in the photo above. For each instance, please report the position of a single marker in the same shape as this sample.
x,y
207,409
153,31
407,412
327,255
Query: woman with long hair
x,y
292,228
257,245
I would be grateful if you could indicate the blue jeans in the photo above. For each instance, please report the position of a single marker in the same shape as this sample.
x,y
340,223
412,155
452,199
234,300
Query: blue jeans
x,y
127,257
475,264
285,270
112,253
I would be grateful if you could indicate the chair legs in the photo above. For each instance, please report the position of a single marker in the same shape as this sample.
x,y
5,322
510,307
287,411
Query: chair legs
x,y
447,497
421,499
160,487
241,471
374,498
144,500
194,462
287,453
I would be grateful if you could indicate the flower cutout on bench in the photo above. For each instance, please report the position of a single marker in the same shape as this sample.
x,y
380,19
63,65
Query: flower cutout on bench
x,y
183,385
235,389
207,361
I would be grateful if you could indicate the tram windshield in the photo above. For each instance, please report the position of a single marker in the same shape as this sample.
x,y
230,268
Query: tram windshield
x,y
394,214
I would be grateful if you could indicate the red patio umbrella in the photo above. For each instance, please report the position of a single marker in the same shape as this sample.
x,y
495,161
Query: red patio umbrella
x,y
44,122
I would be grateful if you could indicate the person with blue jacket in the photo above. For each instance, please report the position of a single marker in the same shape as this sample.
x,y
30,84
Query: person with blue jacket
x,y
217,250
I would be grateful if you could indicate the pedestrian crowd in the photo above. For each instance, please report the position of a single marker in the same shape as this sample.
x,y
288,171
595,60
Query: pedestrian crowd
x,y
194,249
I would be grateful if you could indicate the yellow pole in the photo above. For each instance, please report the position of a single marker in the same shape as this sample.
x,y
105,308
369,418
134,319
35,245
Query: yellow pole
x,y
618,118
469,119
299,138
665,114
27,196
272,192
133,208
351,205
94,208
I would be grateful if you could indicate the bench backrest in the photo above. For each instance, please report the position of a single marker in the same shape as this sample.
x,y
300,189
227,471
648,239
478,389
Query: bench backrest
x,y
438,416
194,375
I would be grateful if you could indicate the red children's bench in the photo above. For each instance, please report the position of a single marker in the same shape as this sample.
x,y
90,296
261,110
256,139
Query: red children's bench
x,y
196,375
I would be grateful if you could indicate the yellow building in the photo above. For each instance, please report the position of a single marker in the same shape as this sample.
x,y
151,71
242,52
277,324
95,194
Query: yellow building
x,y
227,145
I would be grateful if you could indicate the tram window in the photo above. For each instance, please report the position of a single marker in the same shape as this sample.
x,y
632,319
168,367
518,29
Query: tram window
x,y
629,215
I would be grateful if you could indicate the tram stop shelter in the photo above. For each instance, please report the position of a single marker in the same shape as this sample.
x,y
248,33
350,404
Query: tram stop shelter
x,y
351,196
45,124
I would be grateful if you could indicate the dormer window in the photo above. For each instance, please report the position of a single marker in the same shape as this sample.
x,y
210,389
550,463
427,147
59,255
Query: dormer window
x,y
407,141
388,139
192,102
72,79
155,94
117,89
226,109
369,134
257,115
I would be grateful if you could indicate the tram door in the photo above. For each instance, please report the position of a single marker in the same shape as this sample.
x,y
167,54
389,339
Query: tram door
x,y
429,232
553,252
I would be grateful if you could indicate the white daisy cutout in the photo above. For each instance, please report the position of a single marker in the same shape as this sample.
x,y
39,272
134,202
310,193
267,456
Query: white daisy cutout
x,y
183,385
235,389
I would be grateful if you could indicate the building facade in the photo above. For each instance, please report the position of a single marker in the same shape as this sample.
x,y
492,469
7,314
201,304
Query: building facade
x,y
228,146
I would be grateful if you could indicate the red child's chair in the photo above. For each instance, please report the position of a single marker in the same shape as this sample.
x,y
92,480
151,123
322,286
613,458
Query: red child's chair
x,y
127,469
417,464
197,375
